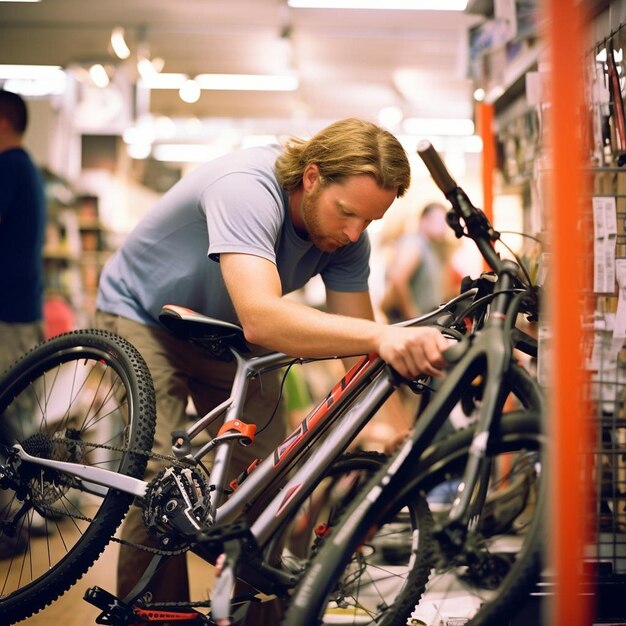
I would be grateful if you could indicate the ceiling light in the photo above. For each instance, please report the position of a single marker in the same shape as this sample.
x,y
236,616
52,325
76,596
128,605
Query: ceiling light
x,y
33,80
479,94
157,64
20,0
139,151
189,91
157,80
187,153
390,116
439,126
29,72
118,43
225,82
98,75
413,5
248,82
148,68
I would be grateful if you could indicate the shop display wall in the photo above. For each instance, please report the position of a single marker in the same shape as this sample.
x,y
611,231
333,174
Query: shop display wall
x,y
76,248
604,136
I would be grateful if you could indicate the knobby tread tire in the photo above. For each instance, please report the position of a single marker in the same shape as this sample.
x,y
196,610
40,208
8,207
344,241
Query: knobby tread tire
x,y
127,363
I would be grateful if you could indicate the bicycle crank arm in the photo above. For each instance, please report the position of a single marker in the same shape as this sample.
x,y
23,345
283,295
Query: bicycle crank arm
x,y
99,476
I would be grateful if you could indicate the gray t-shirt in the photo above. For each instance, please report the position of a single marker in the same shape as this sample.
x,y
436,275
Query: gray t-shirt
x,y
231,204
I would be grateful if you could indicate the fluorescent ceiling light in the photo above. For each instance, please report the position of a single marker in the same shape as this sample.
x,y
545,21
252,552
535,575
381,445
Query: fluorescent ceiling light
x,y
33,80
247,82
36,88
20,0
225,82
414,5
459,127
29,72
163,80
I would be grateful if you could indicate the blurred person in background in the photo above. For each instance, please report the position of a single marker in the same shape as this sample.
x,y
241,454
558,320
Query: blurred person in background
x,y
418,277
22,229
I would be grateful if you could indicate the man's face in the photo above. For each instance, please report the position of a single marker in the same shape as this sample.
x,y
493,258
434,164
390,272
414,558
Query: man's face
x,y
336,214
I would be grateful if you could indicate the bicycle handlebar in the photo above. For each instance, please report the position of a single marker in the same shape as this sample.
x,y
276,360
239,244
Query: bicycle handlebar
x,y
436,167
475,223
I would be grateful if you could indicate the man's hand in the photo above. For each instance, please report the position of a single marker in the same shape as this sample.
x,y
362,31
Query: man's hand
x,y
413,351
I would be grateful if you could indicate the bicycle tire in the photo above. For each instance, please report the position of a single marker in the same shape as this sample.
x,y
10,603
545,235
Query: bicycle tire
x,y
392,566
519,432
300,539
91,401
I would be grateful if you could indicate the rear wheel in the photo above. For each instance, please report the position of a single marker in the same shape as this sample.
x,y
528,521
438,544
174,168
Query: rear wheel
x,y
84,397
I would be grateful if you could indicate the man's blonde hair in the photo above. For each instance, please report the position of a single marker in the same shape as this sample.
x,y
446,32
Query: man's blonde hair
x,y
347,148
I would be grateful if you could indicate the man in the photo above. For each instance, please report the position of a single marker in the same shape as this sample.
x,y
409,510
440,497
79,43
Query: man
x,y
22,227
416,277
230,241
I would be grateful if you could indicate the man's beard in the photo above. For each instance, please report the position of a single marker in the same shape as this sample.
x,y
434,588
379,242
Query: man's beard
x,y
313,225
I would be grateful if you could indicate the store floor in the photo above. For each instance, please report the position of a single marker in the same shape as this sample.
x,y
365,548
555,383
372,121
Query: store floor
x,y
72,610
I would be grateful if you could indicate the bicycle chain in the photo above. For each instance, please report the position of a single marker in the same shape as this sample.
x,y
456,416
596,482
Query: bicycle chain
x,y
147,453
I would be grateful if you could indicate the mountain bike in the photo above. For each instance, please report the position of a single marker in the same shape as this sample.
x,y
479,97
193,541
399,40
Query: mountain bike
x,y
486,484
82,411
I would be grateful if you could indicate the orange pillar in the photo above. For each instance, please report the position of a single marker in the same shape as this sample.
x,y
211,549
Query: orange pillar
x,y
484,122
569,500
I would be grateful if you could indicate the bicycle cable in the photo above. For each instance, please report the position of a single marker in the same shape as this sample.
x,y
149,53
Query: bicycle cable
x,y
515,255
280,395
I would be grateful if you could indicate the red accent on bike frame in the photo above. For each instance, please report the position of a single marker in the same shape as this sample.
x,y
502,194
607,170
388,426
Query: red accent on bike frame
x,y
288,496
235,482
322,530
320,411
169,616
247,430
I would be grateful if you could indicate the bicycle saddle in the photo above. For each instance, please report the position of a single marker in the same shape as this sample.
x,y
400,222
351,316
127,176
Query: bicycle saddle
x,y
214,335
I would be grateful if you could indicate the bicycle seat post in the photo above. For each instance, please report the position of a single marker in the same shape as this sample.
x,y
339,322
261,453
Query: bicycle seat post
x,y
223,451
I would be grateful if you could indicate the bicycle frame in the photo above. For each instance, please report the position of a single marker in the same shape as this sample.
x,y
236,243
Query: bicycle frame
x,y
339,417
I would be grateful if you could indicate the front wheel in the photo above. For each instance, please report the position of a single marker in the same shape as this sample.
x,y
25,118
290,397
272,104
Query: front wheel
x,y
391,566
479,574
85,397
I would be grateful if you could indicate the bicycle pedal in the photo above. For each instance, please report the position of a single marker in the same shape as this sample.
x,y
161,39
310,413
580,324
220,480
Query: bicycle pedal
x,y
117,613
114,611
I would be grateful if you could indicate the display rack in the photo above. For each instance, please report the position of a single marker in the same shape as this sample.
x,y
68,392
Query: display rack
x,y
606,364
75,250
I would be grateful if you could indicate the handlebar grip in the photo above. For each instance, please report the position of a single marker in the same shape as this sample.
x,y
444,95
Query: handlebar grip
x,y
436,167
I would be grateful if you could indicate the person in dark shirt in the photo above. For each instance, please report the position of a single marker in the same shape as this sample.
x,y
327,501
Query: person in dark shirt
x,y
22,227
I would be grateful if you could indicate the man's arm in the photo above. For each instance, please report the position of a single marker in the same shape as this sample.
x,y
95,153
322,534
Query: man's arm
x,y
281,324
393,421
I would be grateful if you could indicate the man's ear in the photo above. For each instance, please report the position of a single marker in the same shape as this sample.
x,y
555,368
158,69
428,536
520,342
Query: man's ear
x,y
311,177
